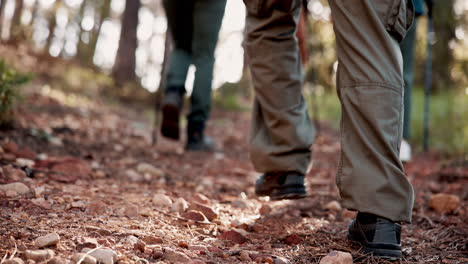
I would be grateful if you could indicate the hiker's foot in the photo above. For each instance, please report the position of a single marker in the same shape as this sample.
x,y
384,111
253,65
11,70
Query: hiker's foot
x,y
171,108
377,235
281,185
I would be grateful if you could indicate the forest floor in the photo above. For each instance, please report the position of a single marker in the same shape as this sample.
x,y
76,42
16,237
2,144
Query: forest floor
x,y
87,171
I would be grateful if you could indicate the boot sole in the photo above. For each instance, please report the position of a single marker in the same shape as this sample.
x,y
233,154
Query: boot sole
x,y
291,193
170,123
387,254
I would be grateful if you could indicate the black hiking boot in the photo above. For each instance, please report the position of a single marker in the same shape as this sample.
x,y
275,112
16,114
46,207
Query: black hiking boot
x,y
281,185
378,236
197,140
171,108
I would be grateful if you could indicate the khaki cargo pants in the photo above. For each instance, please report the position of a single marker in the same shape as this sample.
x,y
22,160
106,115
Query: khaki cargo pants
x,y
370,87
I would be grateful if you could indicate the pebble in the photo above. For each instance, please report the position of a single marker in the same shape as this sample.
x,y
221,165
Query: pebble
x,y
102,255
207,211
265,209
134,176
87,259
180,205
85,242
96,208
175,256
131,211
293,239
245,256
140,246
25,162
13,173
333,206
149,169
444,203
162,200
197,261
233,236
14,189
39,255
198,248
13,261
241,204
131,240
281,260
337,257
151,240
47,240
57,260
194,216
202,199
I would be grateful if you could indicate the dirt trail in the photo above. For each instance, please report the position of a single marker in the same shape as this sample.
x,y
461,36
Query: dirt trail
x,y
98,183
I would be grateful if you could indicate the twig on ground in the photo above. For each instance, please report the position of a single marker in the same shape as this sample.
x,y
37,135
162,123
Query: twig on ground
x,y
87,254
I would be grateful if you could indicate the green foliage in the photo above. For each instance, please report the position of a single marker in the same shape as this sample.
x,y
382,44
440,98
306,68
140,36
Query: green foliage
x,y
10,80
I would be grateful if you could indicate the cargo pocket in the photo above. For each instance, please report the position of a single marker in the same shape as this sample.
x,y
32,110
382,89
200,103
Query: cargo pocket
x,y
399,19
263,8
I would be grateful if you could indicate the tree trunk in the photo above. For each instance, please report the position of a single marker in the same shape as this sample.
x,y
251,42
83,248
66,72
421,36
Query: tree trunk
x,y
34,12
104,13
15,29
2,12
52,24
81,49
125,62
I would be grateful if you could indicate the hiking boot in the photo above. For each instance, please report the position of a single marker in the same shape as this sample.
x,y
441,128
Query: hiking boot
x,y
197,140
171,108
281,185
377,235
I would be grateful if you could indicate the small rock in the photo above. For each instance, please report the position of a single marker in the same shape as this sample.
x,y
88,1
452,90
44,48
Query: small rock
x,y
39,255
233,236
337,257
200,248
333,206
444,203
194,216
281,260
175,256
47,240
13,173
134,176
57,260
202,199
86,242
183,244
70,170
131,240
265,209
293,239
180,205
151,240
102,255
14,189
131,211
197,261
245,256
162,200
149,169
42,203
158,233
207,211
87,259
140,246
96,208
157,254
13,261
239,203
25,162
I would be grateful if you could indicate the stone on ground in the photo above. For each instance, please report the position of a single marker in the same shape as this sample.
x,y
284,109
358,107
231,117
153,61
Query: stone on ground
x,y
39,255
102,255
47,240
337,257
87,259
444,203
